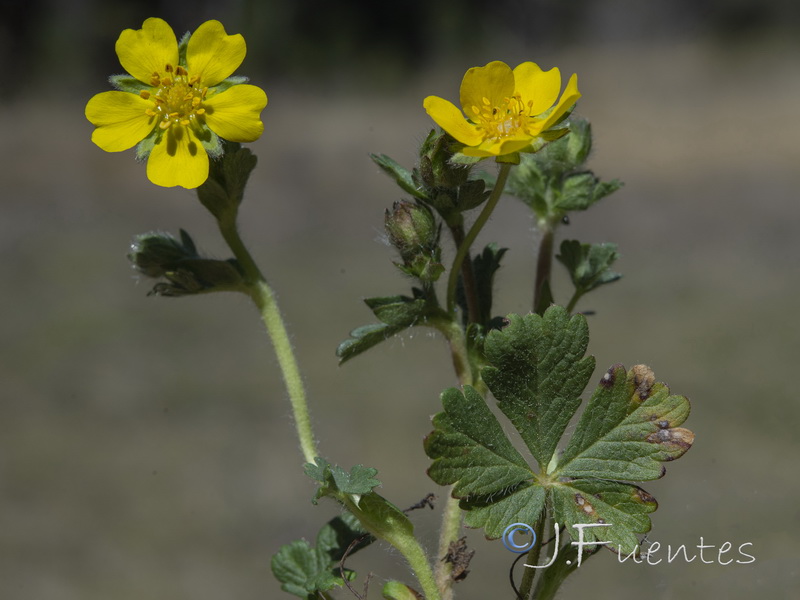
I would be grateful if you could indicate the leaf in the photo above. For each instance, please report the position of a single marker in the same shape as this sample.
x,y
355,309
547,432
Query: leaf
x,y
537,371
470,449
304,570
354,490
589,265
484,267
360,479
399,173
396,313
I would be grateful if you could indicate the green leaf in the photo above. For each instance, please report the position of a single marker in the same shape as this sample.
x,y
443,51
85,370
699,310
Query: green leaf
x,y
353,490
627,431
581,190
396,313
484,267
360,479
589,265
304,570
537,371
399,173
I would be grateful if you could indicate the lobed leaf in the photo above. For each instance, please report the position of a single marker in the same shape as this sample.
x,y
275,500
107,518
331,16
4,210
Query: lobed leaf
x,y
537,374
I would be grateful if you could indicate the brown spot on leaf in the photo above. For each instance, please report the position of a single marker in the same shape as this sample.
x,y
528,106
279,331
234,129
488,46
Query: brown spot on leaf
x,y
644,497
586,506
608,379
676,438
643,379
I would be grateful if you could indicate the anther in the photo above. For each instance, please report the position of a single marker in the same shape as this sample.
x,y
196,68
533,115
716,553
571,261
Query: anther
x,y
144,94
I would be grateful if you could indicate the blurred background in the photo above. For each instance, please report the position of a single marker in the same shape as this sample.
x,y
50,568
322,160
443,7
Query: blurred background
x,y
146,444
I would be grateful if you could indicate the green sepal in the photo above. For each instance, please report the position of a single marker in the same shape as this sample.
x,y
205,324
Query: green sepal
x,y
304,570
127,83
459,158
396,313
223,191
227,84
589,265
399,173
145,147
183,44
511,158
210,141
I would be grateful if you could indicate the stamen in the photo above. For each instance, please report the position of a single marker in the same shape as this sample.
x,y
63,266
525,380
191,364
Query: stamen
x,y
144,94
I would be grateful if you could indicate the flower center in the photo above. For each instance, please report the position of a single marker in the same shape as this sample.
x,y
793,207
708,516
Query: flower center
x,y
177,98
506,120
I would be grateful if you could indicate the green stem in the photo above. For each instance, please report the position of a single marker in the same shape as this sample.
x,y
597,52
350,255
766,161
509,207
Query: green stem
x,y
449,532
465,245
264,298
544,262
467,276
573,301
533,559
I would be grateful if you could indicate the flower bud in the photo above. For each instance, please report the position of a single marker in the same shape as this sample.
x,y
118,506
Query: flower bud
x,y
161,256
412,229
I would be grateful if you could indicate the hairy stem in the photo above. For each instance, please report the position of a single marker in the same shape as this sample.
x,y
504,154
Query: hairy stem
x,y
467,242
533,559
264,298
544,262
467,276
449,532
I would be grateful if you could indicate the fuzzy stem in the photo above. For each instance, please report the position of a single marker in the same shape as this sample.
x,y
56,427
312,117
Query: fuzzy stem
x,y
449,532
544,261
532,559
264,298
465,245
467,276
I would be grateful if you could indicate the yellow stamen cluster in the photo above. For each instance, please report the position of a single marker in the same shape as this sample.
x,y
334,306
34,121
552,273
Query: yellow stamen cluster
x,y
177,98
502,121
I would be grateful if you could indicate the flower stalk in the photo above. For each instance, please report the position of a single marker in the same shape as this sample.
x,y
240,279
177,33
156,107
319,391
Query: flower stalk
x,y
264,299
469,239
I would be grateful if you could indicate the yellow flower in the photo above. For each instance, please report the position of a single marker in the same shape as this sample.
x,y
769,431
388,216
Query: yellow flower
x,y
177,102
506,111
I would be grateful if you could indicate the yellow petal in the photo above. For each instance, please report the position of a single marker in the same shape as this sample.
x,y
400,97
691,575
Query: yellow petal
x,y
494,82
540,88
120,120
568,98
498,147
212,54
148,50
235,114
178,159
449,118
